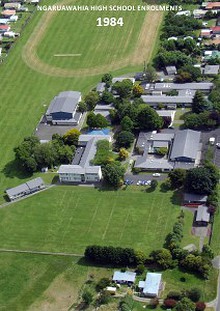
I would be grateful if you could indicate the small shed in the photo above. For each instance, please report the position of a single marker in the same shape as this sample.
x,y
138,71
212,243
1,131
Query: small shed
x,y
202,215
171,70
111,290
126,277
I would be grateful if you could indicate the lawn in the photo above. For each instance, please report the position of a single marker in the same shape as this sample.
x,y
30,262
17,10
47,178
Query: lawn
x,y
68,218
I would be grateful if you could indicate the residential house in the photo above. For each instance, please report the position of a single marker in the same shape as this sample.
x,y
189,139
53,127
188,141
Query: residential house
x,y
8,13
215,30
63,109
12,6
126,277
152,285
104,110
210,70
192,199
24,189
202,215
4,28
206,33
199,13
211,54
213,6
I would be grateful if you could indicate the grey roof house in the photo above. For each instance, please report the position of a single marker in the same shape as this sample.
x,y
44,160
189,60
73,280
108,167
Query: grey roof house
x,y
210,70
29,187
63,109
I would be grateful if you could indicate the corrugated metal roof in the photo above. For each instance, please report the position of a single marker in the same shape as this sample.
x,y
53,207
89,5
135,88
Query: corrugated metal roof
x,y
152,283
164,99
34,183
202,213
64,102
124,276
186,144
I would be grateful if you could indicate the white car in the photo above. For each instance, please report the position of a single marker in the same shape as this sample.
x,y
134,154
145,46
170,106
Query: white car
x,y
156,174
218,145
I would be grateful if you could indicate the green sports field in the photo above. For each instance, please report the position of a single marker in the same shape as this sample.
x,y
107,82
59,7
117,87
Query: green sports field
x,y
77,35
68,218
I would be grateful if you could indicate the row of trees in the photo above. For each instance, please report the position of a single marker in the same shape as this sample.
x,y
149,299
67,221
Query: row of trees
x,y
116,256
33,155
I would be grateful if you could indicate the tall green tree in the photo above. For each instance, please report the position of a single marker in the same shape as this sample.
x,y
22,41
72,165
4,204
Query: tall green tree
x,y
148,119
71,137
113,174
185,304
200,104
123,88
91,99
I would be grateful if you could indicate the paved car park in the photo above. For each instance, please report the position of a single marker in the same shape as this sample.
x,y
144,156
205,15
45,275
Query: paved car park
x,y
135,178
205,141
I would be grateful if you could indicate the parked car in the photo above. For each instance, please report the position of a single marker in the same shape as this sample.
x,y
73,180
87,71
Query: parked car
x,y
218,145
156,174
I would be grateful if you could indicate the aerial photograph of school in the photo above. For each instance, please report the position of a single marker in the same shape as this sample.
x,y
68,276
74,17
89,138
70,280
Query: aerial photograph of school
x,y
110,155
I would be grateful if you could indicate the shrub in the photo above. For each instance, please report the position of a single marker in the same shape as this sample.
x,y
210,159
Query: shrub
x,y
194,294
102,283
200,306
140,269
176,295
154,303
169,303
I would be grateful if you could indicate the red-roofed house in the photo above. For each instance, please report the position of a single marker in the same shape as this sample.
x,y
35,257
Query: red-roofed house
x,y
216,30
213,6
4,28
206,33
8,13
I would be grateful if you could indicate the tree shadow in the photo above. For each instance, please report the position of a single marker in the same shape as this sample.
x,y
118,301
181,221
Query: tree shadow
x,y
13,169
164,187
177,197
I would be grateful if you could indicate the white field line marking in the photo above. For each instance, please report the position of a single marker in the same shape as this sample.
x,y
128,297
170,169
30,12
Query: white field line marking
x,y
109,220
94,215
70,220
67,55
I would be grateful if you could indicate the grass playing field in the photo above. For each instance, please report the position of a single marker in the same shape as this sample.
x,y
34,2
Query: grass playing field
x,y
68,218
71,43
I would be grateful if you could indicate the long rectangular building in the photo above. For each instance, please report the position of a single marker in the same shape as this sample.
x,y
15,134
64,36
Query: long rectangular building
x,y
24,189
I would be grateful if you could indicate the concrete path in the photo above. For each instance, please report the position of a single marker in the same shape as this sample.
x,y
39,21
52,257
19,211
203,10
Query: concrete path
x,y
18,251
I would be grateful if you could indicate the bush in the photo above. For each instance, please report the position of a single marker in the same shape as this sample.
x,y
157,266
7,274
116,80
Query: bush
x,y
140,269
87,297
102,283
154,303
175,295
200,306
104,298
169,303
194,294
